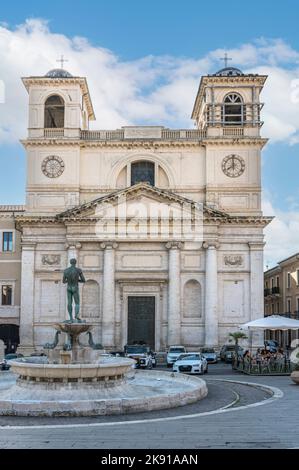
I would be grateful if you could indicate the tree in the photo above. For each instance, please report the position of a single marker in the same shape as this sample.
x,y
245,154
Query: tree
x,y
236,336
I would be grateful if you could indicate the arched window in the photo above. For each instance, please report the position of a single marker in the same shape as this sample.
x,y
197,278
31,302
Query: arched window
x,y
233,110
54,112
143,172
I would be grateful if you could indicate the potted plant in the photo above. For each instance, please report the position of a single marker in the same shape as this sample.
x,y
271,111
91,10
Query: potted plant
x,y
236,336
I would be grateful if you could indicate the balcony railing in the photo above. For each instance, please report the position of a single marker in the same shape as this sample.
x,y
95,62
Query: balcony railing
x,y
292,315
233,132
54,133
272,291
275,290
166,134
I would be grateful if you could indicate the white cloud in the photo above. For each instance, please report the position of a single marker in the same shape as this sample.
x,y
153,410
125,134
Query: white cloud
x,y
150,90
154,90
281,235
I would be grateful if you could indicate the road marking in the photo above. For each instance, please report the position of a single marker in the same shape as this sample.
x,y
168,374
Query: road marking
x,y
276,394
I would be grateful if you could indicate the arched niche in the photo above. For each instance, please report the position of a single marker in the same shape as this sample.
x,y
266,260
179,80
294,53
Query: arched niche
x,y
91,299
192,299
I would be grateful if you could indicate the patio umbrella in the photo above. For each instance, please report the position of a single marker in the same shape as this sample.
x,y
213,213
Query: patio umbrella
x,y
272,322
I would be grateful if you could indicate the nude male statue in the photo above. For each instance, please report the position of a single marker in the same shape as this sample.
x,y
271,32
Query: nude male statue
x,y
72,276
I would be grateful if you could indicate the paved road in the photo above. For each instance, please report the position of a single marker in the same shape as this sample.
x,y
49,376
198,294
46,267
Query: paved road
x,y
275,424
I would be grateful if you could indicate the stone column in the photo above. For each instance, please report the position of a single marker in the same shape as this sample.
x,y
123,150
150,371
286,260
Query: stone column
x,y
27,299
108,317
211,295
174,294
73,251
256,288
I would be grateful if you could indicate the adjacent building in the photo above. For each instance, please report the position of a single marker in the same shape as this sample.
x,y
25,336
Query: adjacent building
x,y
281,294
10,277
165,223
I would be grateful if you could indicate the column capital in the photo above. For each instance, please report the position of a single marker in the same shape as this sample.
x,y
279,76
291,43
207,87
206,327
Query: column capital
x,y
74,245
174,245
256,246
30,246
211,244
109,245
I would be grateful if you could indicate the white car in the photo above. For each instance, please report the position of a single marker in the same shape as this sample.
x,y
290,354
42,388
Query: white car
x,y
173,353
191,363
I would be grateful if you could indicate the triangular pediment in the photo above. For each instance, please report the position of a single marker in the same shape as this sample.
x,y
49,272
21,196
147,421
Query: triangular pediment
x,y
141,195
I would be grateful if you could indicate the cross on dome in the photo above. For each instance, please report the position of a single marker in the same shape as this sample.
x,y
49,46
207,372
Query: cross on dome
x,y
225,59
62,60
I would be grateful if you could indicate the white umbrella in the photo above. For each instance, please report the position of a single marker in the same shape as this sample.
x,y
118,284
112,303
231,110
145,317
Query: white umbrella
x,y
272,322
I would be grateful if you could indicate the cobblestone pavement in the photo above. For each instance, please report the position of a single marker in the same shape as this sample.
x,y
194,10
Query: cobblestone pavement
x,y
275,424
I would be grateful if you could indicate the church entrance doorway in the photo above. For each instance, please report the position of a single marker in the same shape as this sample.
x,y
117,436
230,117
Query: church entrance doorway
x,y
141,320
10,335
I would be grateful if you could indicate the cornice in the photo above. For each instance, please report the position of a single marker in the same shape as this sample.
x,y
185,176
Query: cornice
x,y
77,220
145,144
261,142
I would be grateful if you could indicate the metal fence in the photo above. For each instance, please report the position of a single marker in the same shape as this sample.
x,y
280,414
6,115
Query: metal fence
x,y
271,366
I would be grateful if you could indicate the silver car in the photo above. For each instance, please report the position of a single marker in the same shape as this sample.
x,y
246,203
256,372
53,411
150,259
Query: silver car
x,y
210,355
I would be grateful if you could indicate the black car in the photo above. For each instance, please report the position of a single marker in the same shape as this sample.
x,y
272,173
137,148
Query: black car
x,y
4,365
228,351
143,355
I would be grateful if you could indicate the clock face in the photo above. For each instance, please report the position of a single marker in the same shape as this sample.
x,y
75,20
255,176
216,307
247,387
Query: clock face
x,y
53,166
233,166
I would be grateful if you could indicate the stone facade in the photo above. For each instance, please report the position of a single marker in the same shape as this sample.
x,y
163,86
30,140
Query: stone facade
x,y
281,295
86,198
10,277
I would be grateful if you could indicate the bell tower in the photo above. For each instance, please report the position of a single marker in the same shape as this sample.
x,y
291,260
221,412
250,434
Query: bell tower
x,y
59,105
228,103
60,108
228,109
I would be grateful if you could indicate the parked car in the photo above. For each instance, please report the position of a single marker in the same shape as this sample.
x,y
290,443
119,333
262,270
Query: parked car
x,y
173,353
210,355
271,345
143,355
227,352
4,365
191,363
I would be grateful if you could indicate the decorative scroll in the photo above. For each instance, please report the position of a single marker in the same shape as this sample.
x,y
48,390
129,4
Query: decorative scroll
x,y
233,260
51,260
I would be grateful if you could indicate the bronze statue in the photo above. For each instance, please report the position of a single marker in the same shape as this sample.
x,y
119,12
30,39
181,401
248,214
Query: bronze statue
x,y
72,276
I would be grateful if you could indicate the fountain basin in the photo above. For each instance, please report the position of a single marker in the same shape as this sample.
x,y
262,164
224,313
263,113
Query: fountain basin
x,y
107,371
144,391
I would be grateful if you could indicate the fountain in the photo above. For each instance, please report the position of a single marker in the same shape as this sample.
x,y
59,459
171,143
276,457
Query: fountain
x,y
82,381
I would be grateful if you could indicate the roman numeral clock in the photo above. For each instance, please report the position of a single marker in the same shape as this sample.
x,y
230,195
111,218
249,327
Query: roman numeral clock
x,y
233,166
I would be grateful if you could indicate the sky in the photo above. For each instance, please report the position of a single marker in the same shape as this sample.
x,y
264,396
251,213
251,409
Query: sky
x,y
143,61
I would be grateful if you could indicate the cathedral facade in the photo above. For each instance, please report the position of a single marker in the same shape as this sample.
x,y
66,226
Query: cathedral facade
x,y
166,224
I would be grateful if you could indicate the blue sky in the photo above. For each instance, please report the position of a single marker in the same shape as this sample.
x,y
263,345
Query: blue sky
x,y
143,61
